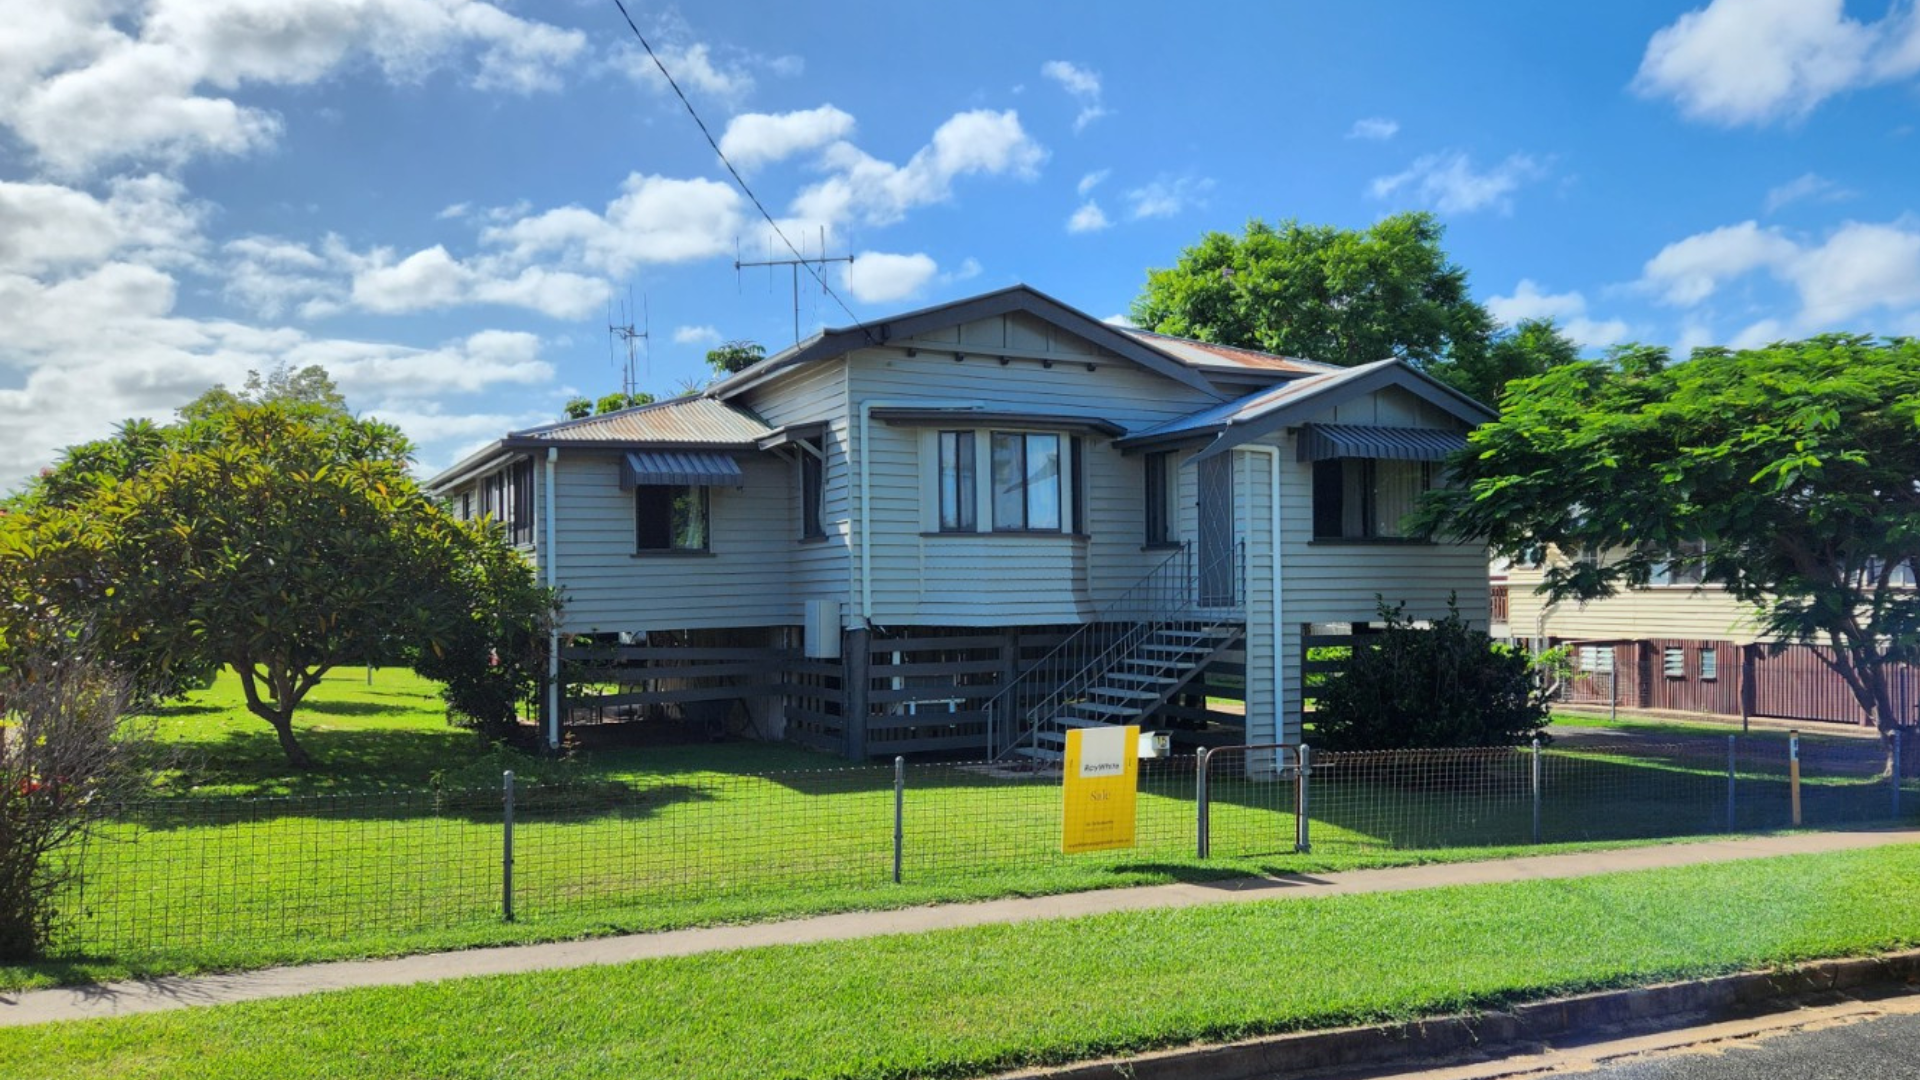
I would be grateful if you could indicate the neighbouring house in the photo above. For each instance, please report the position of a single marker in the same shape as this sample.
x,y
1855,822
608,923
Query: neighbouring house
x,y
1678,644
971,527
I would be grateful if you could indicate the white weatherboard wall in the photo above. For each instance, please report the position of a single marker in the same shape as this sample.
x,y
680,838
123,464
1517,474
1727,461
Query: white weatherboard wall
x,y
609,587
1336,581
988,580
814,394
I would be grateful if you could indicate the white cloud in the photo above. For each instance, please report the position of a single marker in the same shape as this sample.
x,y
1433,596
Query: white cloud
x,y
1568,310
1089,218
1688,271
877,277
968,269
981,142
67,75
1739,62
1092,180
1806,186
693,67
1760,334
1120,320
1449,183
49,227
453,211
1374,129
1858,269
759,138
1167,197
696,335
655,220
1084,86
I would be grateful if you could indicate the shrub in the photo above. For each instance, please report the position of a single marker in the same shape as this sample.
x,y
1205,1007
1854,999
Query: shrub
x,y
64,756
1444,685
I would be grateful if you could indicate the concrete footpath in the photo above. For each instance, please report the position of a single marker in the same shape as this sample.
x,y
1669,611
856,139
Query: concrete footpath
x,y
155,995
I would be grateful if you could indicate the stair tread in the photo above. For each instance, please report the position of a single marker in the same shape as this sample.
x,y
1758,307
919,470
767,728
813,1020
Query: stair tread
x,y
1138,678
1097,707
1123,692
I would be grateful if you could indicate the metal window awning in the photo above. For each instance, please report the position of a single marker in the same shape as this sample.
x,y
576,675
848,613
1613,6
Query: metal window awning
x,y
645,468
1319,442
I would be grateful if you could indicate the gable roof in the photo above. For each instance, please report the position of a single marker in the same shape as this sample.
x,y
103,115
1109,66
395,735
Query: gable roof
x,y
685,421
1266,411
1208,356
1015,298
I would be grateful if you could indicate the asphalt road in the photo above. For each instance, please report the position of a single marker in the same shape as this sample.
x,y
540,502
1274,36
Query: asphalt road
x,y
1887,1048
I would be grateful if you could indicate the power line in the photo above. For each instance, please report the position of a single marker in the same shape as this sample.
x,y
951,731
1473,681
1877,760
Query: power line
x,y
737,178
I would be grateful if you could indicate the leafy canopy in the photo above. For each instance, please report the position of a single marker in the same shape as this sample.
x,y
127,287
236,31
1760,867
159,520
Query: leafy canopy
x,y
277,538
1347,297
1790,475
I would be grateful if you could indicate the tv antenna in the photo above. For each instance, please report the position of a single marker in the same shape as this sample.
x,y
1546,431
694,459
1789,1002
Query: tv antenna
x,y
794,266
627,334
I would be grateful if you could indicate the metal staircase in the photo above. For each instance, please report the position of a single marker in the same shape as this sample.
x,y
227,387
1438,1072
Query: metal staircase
x,y
1125,663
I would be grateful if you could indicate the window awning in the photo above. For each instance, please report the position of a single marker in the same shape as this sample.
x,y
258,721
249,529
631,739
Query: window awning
x,y
1319,442
641,468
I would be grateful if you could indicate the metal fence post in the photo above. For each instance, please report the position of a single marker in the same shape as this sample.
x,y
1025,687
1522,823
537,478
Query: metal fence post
x,y
1203,810
1732,758
1302,839
899,814
506,846
1896,773
1793,773
1536,791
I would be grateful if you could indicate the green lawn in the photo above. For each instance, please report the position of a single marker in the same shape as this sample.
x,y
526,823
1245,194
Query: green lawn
x,y
395,844
969,1002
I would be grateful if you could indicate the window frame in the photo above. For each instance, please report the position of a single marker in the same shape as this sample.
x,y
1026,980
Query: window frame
x,y
1024,440
1329,495
813,488
1162,499
640,547
961,514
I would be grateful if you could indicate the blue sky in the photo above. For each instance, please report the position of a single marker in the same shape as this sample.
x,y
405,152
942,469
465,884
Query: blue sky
x,y
438,199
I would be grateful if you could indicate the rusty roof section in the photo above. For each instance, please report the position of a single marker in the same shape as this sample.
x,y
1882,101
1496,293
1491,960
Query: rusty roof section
x,y
1205,354
683,421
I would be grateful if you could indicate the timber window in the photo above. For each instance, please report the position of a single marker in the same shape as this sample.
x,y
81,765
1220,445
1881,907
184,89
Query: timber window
x,y
1163,500
1673,662
520,503
957,494
1684,571
813,489
1596,659
1709,664
670,517
1026,482
1367,498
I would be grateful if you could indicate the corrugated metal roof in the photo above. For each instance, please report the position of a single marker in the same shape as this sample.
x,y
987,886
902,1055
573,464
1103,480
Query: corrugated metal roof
x,y
1254,404
697,420
1204,354
679,467
1321,441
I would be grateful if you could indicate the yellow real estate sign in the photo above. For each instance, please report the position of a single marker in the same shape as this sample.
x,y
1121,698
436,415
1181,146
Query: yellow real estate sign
x,y
1102,768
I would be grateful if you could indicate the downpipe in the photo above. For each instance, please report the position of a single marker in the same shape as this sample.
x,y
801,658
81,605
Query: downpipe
x,y
553,632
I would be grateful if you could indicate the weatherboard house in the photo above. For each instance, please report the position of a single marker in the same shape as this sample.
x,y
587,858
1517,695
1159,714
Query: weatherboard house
x,y
973,527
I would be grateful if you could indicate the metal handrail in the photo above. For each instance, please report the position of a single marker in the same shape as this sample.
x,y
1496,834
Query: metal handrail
x,y
1169,594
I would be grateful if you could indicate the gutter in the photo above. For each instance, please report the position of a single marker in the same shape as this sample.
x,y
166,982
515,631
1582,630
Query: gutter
x,y
553,632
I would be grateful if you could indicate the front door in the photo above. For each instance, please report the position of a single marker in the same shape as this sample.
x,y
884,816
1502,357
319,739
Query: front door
x,y
1215,555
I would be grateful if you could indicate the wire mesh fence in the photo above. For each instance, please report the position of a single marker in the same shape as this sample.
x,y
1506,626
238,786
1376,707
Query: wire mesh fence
x,y
199,873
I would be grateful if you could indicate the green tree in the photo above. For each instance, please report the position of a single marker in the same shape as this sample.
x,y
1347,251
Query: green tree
x,y
733,356
1529,347
309,387
275,538
1785,474
1343,296
579,408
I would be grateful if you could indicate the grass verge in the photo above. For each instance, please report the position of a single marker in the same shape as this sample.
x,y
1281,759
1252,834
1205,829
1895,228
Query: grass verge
x,y
966,1002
